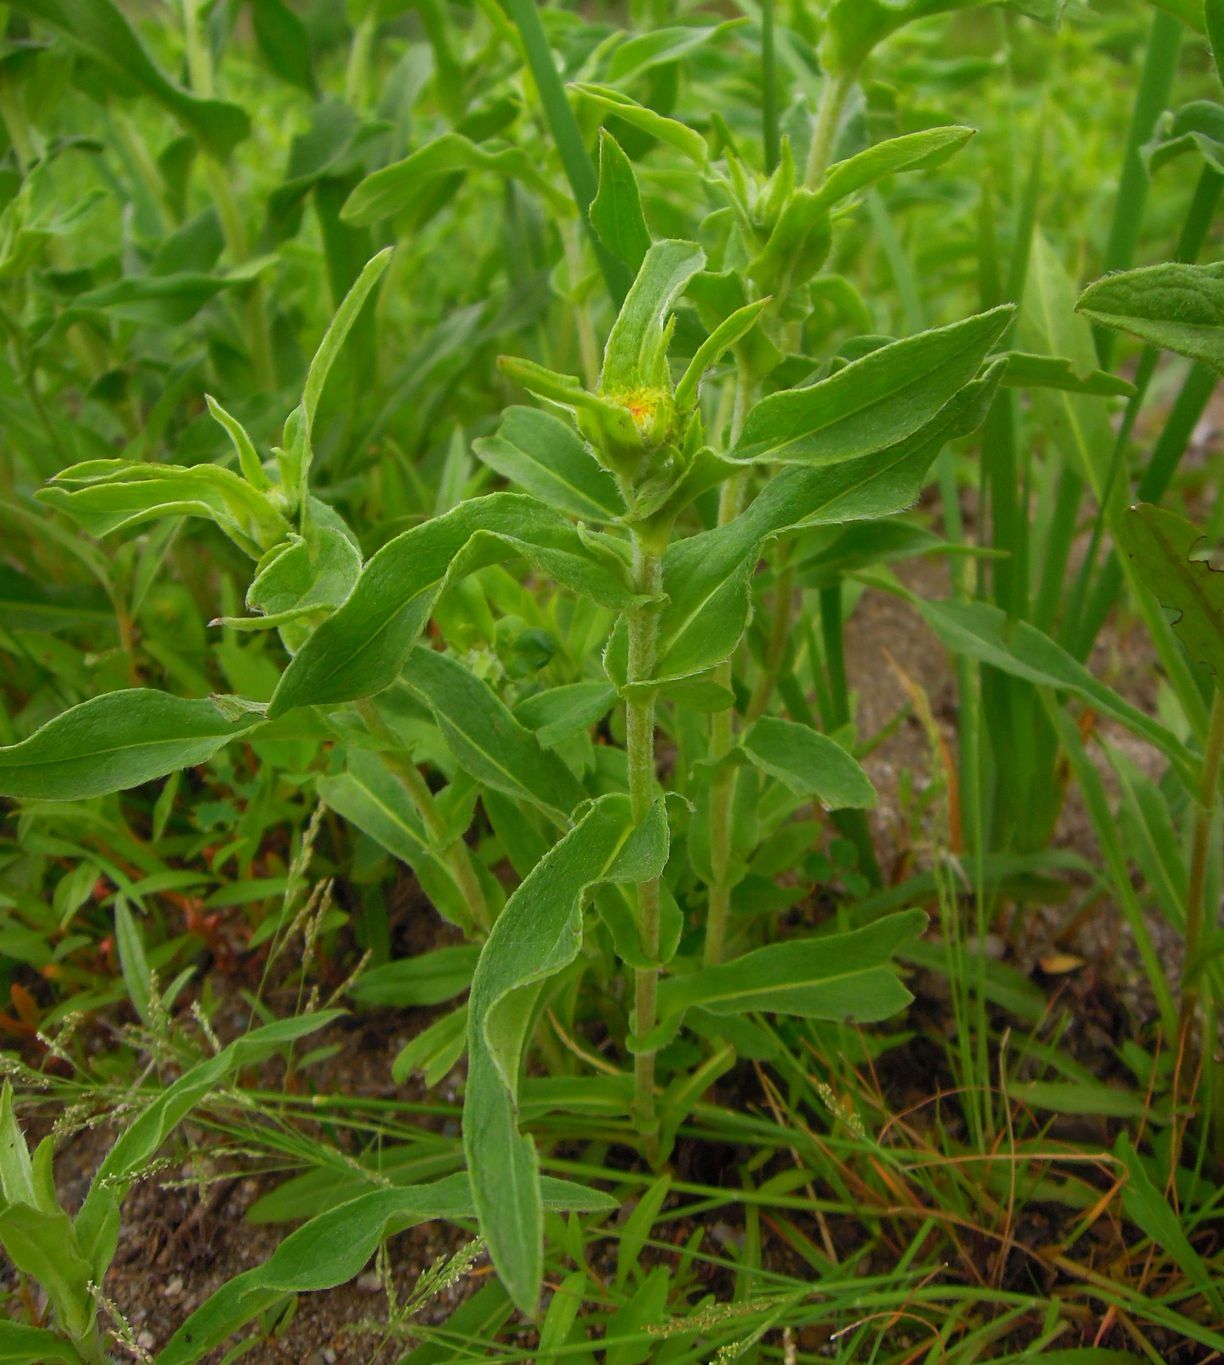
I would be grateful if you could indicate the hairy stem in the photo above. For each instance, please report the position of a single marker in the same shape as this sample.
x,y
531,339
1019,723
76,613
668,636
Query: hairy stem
x,y
640,747
722,793
833,95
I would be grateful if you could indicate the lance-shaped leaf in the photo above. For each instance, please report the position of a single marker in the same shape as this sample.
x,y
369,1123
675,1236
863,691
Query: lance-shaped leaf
x,y
97,1224
874,402
333,1247
1176,562
116,741
727,335
42,1245
537,934
854,27
299,428
370,797
1179,307
839,976
912,152
19,1345
104,496
1025,371
616,210
669,130
361,649
808,763
982,631
706,577
560,712
399,187
98,28
549,460
155,300
636,352
486,739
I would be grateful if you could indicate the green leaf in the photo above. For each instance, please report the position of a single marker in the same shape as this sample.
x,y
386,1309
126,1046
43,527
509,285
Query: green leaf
x,y
369,796
16,1169
285,42
668,130
154,300
1179,307
1213,15
19,1345
332,1248
98,28
400,187
115,741
104,496
808,763
837,976
725,337
659,45
562,712
854,27
545,457
43,1246
1146,1206
706,577
636,353
1077,424
982,631
302,575
486,739
912,152
1025,371
427,979
537,934
1195,127
361,649
132,960
1174,556
616,210
97,1224
874,402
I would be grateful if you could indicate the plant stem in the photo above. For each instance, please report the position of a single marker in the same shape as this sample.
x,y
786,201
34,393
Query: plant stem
x,y
833,95
457,854
722,793
779,631
1196,891
643,625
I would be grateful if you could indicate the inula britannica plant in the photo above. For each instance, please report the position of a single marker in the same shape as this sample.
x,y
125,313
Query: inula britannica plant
x,y
488,496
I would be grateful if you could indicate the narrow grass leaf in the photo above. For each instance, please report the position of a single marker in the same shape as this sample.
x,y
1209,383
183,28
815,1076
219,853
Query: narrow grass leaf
x,y
332,1248
984,632
1147,1206
97,1224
